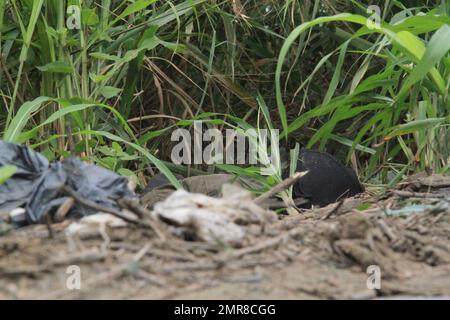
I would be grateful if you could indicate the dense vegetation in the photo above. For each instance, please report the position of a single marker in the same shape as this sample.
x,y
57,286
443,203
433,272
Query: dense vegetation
x,y
112,90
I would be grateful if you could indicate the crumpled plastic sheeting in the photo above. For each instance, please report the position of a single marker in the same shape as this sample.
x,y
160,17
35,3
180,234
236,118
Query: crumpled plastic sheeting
x,y
37,184
213,220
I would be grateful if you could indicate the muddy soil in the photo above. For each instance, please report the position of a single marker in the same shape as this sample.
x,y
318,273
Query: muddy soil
x,y
317,254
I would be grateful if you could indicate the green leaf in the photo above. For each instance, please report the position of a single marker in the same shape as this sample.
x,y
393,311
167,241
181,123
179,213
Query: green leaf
x,y
364,206
149,40
116,147
104,56
422,24
126,172
413,46
134,7
265,110
110,92
337,74
98,78
175,47
57,67
7,172
436,49
17,124
350,143
234,169
128,157
89,17
414,126
107,151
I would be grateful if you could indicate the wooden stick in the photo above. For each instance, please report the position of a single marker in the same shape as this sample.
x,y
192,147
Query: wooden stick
x,y
425,195
286,183
134,206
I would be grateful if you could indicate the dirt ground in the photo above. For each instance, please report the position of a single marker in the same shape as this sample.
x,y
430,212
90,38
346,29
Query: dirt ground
x,y
317,254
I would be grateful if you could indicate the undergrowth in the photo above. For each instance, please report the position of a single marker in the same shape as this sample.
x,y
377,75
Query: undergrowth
x,y
111,86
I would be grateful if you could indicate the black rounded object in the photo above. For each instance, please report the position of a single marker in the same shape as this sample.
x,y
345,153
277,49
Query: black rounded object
x,y
327,181
159,180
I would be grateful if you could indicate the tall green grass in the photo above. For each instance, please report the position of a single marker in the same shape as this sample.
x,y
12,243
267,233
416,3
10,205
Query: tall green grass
x,y
404,99
112,90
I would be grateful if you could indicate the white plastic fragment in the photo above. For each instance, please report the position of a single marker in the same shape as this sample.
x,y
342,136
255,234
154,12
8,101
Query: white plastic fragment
x,y
17,212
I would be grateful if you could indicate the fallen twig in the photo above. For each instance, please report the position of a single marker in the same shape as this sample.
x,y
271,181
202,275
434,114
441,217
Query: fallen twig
x,y
270,243
410,194
157,253
286,183
64,209
134,206
87,256
333,210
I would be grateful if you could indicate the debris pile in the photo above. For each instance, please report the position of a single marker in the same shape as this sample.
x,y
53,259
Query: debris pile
x,y
214,240
318,253
204,218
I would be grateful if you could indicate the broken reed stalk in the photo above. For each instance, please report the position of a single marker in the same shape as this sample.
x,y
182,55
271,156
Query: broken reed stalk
x,y
283,185
410,194
134,206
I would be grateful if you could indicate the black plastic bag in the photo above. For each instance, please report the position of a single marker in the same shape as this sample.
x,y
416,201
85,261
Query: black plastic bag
x,y
37,184
327,181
